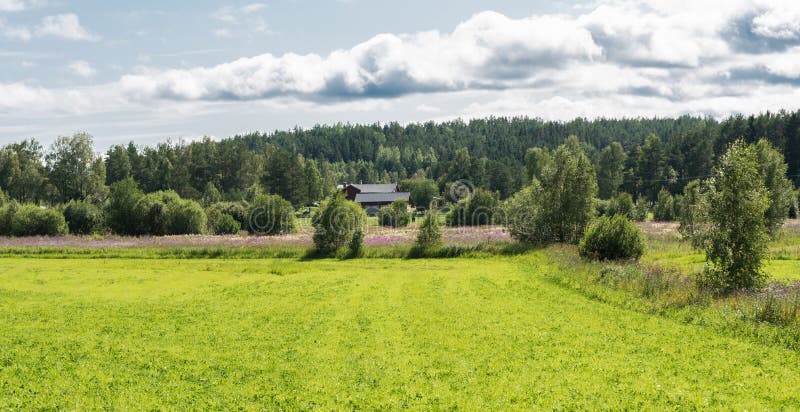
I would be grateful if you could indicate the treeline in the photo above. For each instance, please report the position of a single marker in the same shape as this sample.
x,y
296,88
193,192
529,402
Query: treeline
x,y
652,160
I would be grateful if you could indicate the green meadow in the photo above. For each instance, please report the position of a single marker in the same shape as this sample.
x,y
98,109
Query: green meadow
x,y
469,333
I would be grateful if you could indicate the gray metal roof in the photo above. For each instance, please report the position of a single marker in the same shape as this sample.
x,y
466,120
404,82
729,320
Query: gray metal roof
x,y
382,197
376,188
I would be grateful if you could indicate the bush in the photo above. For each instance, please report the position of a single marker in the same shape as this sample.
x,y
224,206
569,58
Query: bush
x,y
120,212
641,209
236,209
524,218
151,213
220,223
355,248
83,217
6,213
184,217
612,238
664,208
430,234
476,210
335,223
32,220
621,204
271,215
395,215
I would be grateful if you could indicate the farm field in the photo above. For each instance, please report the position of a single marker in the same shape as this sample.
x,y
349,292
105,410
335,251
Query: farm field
x,y
466,333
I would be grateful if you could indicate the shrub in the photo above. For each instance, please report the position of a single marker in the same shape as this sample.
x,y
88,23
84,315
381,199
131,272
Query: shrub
x,y
355,248
641,209
6,213
664,208
184,217
236,209
335,223
32,220
602,207
621,204
220,223
151,213
395,215
476,210
271,215
430,234
120,212
83,217
612,238
524,217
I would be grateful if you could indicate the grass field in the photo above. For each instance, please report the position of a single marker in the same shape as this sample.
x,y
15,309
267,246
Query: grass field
x,y
490,333
666,248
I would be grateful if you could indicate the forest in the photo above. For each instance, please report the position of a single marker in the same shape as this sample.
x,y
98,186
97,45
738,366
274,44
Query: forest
x,y
650,159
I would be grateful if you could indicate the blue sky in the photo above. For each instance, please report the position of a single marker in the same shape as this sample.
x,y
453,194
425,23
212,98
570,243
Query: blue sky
x,y
150,71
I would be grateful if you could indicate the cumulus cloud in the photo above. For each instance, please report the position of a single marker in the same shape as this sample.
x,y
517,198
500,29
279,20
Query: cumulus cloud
x,y
19,5
82,68
487,51
17,95
612,58
65,26
667,49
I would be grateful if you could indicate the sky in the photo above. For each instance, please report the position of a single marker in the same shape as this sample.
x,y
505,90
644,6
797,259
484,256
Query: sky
x,y
150,71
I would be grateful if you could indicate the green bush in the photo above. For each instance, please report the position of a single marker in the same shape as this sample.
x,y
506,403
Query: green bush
x,y
220,223
664,208
121,209
430,234
355,248
185,217
612,238
151,213
6,213
236,209
524,218
271,215
476,210
621,204
83,217
335,223
32,220
395,215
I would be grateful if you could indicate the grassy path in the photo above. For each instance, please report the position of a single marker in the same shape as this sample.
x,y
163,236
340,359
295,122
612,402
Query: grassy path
x,y
384,333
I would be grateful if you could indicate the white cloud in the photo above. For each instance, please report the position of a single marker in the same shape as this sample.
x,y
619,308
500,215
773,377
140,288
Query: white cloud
x,y
65,26
82,68
19,5
253,8
780,19
17,95
246,19
487,51
15,32
615,58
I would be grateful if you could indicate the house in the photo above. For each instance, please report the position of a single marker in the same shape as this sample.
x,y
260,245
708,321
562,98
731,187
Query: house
x,y
375,195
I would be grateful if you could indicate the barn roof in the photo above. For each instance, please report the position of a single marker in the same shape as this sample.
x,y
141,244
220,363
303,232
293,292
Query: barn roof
x,y
376,188
382,197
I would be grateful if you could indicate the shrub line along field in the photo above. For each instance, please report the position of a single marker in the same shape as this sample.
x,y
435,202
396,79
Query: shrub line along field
x,y
498,332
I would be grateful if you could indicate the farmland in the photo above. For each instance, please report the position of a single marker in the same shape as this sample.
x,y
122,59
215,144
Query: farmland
x,y
495,332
